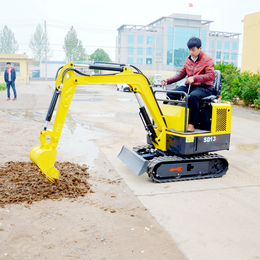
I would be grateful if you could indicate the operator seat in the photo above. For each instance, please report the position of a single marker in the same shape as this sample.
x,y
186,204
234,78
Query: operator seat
x,y
216,90
205,109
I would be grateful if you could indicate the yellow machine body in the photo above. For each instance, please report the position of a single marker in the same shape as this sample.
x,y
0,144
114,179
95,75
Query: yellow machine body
x,y
174,116
169,120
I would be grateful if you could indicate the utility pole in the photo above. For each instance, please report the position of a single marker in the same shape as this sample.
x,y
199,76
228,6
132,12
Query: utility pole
x,y
45,50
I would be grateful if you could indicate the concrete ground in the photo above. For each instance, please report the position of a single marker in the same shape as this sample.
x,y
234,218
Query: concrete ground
x,y
207,219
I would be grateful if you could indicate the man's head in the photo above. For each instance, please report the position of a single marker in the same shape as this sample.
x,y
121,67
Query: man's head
x,y
8,64
194,45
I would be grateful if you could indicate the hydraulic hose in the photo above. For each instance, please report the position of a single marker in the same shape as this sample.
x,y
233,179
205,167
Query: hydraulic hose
x,y
52,106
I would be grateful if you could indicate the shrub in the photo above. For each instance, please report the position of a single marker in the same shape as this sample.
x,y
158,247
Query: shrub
x,y
251,85
3,86
229,80
235,85
257,101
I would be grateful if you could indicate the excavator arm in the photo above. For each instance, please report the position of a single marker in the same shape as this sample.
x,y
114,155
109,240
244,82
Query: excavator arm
x,y
67,80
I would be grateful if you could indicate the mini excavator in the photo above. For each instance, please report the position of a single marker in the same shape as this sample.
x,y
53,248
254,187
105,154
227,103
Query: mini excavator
x,y
171,153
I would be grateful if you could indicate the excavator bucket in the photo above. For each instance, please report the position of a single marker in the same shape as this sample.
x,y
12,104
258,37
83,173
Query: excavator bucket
x,y
44,158
133,160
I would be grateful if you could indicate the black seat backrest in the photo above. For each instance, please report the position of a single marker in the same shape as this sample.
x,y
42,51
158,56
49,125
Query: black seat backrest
x,y
217,83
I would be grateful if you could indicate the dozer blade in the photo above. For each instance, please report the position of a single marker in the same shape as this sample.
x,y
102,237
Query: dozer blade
x,y
44,158
133,160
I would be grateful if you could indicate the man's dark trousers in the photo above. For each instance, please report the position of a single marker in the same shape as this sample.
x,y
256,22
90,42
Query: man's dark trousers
x,y
8,84
196,93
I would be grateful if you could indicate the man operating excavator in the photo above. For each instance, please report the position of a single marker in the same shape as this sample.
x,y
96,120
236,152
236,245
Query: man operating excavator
x,y
199,69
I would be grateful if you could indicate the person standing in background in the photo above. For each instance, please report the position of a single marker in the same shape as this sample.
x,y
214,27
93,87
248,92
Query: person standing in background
x,y
10,76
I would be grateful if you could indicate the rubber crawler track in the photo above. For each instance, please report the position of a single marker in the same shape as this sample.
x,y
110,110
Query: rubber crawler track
x,y
156,161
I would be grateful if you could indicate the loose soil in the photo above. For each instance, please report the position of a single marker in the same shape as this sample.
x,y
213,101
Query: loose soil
x,y
22,182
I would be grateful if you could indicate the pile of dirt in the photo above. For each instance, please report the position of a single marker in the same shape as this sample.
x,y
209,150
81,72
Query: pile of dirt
x,y
22,182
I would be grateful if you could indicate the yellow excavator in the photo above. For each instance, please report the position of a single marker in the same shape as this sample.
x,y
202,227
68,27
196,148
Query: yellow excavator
x,y
171,153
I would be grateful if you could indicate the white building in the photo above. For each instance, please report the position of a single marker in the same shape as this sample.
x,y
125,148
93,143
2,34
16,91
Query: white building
x,y
162,44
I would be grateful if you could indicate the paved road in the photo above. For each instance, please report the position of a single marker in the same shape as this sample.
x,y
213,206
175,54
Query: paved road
x,y
207,219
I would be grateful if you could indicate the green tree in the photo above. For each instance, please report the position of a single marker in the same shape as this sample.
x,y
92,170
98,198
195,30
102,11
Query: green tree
x,y
81,52
8,44
37,44
100,55
73,47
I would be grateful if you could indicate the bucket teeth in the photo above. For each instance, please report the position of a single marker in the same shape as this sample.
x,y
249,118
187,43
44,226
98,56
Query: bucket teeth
x,y
44,158
52,175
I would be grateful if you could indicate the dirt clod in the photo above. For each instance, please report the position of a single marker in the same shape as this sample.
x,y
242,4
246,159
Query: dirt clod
x,y
22,182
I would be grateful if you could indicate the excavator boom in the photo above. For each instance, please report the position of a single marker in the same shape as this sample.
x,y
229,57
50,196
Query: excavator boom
x,y
66,82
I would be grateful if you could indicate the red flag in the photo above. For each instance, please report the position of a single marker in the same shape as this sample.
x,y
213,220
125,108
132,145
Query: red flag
x,y
190,5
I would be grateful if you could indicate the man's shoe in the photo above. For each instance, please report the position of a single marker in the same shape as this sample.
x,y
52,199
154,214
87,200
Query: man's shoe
x,y
14,99
8,99
190,128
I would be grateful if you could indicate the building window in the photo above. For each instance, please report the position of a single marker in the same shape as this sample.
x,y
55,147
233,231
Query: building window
x,y
139,60
15,65
139,50
130,60
170,46
130,50
234,56
211,54
226,45
149,51
158,51
218,56
211,44
158,40
226,63
149,61
181,37
149,40
234,64
219,44
140,39
203,39
226,56
131,38
234,46
3,68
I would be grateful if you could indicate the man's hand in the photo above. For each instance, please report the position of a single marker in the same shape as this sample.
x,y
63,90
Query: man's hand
x,y
164,82
190,80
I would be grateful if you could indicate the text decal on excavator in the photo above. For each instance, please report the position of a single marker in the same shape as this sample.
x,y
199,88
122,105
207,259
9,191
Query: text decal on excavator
x,y
210,139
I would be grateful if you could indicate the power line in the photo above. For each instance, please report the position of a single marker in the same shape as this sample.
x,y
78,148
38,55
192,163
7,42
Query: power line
x,y
80,24
66,25
89,28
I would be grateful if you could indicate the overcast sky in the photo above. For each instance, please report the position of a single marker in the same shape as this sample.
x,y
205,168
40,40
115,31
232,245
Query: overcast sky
x,y
96,21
